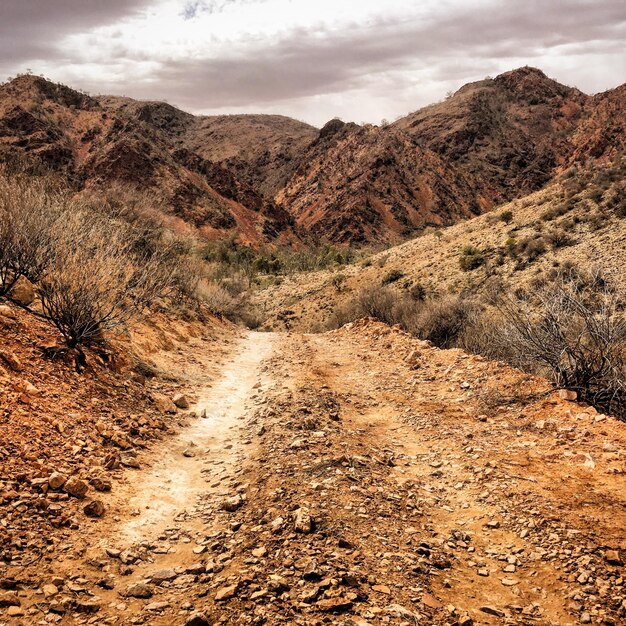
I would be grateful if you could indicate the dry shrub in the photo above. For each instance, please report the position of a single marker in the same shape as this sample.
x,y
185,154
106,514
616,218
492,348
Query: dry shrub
x,y
28,212
217,299
572,331
447,321
95,280
443,321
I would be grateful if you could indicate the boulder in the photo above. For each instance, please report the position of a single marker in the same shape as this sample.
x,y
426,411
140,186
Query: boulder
x,y
95,508
181,401
23,292
163,403
75,487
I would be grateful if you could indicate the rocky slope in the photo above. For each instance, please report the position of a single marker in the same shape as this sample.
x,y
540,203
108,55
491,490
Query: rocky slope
x,y
367,184
517,130
576,221
91,147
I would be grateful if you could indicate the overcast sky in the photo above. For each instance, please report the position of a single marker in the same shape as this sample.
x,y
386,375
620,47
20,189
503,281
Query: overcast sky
x,y
361,60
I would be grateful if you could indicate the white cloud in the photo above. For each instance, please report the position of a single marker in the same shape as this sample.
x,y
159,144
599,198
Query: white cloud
x,y
360,59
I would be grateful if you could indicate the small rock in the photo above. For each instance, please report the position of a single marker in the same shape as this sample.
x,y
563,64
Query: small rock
x,y
49,591
100,483
226,593
492,610
334,605
8,599
181,401
613,557
23,292
75,487
567,394
56,481
95,508
198,619
162,575
232,504
139,590
303,523
15,611
163,403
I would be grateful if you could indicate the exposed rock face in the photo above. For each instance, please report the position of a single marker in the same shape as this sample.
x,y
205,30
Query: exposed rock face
x,y
364,184
516,130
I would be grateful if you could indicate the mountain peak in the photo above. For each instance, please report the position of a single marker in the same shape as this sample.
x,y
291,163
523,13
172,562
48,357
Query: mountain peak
x,y
26,86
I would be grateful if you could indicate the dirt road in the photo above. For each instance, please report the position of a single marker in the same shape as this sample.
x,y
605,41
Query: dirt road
x,y
357,477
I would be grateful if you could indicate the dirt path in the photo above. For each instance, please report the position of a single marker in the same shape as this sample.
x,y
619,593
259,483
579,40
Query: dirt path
x,y
361,478
202,456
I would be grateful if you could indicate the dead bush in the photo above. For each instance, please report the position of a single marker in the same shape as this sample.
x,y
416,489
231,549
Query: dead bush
x,y
445,321
575,335
28,212
95,281
216,299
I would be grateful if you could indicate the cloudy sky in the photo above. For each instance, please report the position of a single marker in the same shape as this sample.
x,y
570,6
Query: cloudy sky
x,y
362,60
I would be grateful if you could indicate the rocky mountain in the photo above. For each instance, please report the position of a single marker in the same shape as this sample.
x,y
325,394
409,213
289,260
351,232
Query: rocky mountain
x,y
270,178
518,130
91,145
367,184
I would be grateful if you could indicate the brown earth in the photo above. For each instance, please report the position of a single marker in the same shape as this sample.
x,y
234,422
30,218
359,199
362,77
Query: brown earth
x,y
356,477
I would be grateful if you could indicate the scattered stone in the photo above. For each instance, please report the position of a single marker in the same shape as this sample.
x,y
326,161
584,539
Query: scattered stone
x,y
75,487
163,404
303,522
613,557
56,481
100,483
233,503
198,619
95,508
139,590
157,606
568,395
334,605
49,591
9,599
226,593
162,575
181,401
430,601
492,610
15,611
23,292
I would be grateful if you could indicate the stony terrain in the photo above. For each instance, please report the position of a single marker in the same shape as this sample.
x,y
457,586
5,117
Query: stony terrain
x,y
357,477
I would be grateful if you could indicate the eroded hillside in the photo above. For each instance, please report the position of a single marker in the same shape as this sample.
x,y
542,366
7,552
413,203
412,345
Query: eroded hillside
x,y
269,179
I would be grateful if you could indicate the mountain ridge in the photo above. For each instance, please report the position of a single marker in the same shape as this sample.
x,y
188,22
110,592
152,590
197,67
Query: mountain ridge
x,y
272,179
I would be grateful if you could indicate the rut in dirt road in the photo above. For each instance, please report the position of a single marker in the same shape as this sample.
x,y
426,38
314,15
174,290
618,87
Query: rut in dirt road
x,y
209,448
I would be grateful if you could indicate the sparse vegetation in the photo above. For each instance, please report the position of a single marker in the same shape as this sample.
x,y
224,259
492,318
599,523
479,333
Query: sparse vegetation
x,y
572,330
392,276
471,258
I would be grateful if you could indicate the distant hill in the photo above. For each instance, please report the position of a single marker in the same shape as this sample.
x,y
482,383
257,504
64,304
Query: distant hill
x,y
272,179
